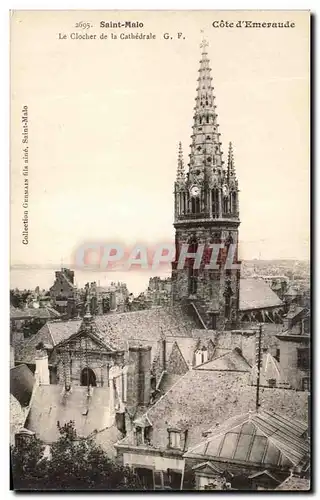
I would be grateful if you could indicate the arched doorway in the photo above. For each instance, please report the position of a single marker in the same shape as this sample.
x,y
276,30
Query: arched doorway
x,y
88,377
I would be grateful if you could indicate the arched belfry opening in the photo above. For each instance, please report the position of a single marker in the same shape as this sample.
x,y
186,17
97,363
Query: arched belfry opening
x,y
88,377
192,272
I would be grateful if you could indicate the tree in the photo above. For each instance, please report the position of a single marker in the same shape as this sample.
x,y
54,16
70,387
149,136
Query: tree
x,y
19,299
74,464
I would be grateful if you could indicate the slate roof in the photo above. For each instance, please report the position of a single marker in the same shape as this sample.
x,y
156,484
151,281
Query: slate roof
x,y
294,311
257,294
117,330
229,360
145,325
45,312
51,334
22,383
265,438
17,417
51,404
17,314
201,397
293,483
270,369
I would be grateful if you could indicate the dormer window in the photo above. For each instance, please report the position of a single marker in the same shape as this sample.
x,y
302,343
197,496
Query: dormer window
x,y
139,436
201,356
143,435
272,382
174,439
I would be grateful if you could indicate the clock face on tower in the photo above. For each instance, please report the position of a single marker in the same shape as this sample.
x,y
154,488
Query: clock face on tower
x,y
225,190
195,191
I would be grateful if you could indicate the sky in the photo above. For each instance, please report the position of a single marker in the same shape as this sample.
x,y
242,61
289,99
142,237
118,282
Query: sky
x,y
106,116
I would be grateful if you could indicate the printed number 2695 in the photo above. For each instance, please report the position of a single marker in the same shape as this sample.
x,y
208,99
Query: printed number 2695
x,y
83,25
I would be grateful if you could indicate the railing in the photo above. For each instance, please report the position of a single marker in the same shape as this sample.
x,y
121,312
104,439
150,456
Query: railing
x,y
206,215
191,215
226,215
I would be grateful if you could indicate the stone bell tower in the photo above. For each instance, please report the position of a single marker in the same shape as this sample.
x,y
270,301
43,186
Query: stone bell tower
x,y
206,212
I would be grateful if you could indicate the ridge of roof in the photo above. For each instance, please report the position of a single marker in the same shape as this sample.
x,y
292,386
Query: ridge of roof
x,y
50,333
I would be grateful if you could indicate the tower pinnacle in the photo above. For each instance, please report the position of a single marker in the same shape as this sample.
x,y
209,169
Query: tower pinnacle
x,y
231,169
180,169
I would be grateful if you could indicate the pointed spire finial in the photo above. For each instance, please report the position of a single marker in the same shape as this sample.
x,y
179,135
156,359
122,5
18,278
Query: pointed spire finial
x,y
204,43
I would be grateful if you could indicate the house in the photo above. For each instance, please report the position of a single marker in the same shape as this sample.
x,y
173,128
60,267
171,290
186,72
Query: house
x,y
113,331
258,450
258,302
175,423
63,292
105,362
294,347
19,318
93,412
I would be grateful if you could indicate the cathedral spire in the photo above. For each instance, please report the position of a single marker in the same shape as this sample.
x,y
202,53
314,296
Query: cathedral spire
x,y
180,169
206,154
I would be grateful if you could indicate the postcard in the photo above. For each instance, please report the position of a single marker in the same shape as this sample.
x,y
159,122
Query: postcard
x,y
160,239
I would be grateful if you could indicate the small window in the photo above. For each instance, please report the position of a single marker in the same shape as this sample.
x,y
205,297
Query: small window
x,y
272,382
201,356
158,485
174,439
214,321
147,435
306,384
277,356
145,477
303,358
139,436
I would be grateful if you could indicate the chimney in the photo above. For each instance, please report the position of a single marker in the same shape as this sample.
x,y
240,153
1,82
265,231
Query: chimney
x,y
42,374
163,361
139,376
113,301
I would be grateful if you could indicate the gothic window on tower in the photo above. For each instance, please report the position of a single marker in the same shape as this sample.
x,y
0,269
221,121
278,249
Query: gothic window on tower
x,y
234,202
192,273
193,281
215,202
227,295
225,205
195,205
